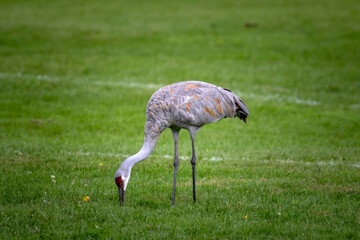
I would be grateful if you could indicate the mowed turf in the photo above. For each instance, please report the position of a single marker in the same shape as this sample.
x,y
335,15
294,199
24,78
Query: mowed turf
x,y
75,78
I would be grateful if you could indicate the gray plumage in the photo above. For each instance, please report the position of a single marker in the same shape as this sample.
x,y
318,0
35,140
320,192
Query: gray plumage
x,y
188,105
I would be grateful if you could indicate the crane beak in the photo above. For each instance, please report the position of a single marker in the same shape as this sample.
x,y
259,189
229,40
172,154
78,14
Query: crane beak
x,y
121,195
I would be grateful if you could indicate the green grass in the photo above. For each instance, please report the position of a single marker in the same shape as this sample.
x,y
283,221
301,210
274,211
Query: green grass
x,y
75,78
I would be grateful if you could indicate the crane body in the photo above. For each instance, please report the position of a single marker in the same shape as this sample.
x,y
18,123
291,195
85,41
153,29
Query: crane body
x,y
188,105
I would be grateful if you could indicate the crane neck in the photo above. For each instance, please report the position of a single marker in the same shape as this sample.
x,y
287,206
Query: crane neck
x,y
147,148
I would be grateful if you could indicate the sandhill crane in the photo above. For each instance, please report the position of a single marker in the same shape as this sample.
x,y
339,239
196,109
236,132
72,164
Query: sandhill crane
x,y
188,105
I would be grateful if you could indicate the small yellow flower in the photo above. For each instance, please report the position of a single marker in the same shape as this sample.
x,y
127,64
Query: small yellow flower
x,y
52,177
245,216
100,164
86,198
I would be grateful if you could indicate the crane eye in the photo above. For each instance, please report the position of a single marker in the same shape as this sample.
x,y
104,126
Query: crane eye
x,y
119,182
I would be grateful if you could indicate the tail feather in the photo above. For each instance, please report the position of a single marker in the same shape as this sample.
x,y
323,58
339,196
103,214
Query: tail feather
x,y
241,109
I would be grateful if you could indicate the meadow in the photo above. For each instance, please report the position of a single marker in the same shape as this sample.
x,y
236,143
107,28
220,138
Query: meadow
x,y
75,78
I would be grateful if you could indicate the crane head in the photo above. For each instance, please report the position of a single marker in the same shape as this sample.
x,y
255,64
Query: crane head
x,y
120,183
122,177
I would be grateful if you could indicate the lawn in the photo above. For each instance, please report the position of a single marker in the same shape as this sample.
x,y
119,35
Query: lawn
x,y
75,78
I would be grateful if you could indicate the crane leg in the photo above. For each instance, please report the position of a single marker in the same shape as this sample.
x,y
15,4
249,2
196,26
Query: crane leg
x,y
176,160
192,132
